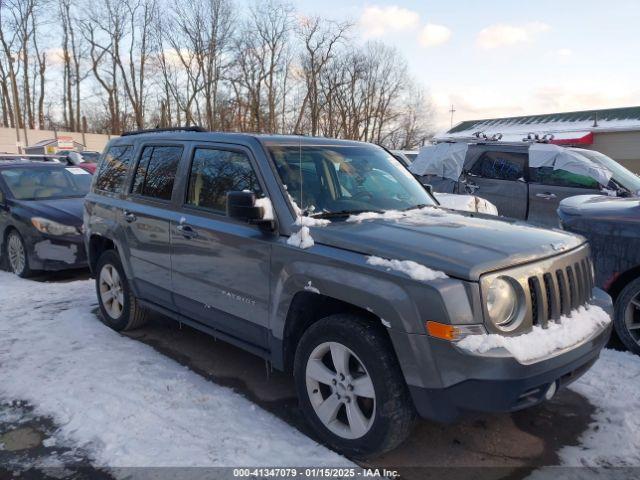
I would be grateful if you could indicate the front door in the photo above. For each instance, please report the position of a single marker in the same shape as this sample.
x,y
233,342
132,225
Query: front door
x,y
221,266
146,221
499,177
548,186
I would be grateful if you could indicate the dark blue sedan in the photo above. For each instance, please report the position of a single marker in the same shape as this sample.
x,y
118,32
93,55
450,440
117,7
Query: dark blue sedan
x,y
612,226
41,216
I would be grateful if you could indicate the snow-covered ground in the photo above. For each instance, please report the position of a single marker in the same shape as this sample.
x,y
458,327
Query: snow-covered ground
x,y
128,405
122,401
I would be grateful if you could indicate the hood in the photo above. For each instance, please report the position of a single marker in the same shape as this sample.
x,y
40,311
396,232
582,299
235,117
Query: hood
x,y
461,245
67,211
601,206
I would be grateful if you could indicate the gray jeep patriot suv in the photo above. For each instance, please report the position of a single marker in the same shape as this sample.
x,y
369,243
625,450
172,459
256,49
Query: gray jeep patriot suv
x,y
329,259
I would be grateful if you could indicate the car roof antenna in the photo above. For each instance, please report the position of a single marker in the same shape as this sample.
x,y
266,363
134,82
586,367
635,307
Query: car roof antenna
x,y
303,209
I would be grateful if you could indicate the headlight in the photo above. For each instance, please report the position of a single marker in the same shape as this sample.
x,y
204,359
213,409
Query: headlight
x,y
503,304
53,228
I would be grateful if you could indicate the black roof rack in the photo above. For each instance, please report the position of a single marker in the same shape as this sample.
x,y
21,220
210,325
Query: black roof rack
x,y
158,130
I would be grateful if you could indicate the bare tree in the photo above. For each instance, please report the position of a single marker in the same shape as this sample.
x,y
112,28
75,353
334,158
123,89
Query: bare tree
x,y
321,39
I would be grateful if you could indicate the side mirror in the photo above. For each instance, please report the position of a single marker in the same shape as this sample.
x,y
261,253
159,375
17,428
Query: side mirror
x,y
429,188
242,206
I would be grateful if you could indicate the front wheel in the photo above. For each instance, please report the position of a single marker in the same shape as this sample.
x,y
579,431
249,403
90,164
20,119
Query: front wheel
x,y
119,307
627,316
351,388
17,255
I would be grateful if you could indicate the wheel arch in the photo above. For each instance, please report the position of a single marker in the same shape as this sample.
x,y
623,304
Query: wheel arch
x,y
306,309
98,244
622,280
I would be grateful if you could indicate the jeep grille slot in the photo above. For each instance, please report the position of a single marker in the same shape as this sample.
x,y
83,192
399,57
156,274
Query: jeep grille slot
x,y
564,293
535,291
552,297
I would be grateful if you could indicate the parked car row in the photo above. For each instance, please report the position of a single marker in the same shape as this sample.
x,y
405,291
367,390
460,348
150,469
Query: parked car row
x,y
330,260
525,180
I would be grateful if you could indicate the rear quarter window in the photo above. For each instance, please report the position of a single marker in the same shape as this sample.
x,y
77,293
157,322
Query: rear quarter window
x,y
113,169
156,172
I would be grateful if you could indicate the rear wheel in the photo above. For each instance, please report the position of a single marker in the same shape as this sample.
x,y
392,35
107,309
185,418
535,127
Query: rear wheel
x,y
627,316
17,255
119,307
351,388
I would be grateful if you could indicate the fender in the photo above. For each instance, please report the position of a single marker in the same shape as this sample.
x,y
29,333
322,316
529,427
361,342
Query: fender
x,y
400,302
108,227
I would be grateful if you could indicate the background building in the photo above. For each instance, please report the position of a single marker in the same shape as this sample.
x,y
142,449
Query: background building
x,y
614,132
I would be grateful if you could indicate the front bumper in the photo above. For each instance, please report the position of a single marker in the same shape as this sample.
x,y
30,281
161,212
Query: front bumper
x,y
468,382
56,253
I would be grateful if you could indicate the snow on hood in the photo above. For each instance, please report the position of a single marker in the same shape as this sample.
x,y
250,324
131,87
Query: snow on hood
x,y
411,269
443,160
548,155
461,244
541,342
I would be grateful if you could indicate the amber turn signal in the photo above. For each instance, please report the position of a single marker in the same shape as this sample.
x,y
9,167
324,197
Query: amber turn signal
x,y
441,330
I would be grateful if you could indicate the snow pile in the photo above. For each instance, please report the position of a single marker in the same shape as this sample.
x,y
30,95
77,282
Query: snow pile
x,y
122,401
411,269
311,222
613,386
467,203
267,207
302,238
540,342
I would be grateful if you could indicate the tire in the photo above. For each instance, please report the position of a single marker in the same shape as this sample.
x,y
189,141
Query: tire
x,y
626,319
16,253
384,421
119,307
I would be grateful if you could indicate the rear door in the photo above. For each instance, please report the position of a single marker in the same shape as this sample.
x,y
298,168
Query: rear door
x,y
146,220
221,266
500,177
548,186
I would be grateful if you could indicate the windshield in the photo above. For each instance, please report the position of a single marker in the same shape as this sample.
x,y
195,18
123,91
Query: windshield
x,y
623,177
346,179
39,183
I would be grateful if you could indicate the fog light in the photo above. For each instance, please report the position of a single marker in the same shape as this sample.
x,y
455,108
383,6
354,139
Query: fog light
x,y
551,391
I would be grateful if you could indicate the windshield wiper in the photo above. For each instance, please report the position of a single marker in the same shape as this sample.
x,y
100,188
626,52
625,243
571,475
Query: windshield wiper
x,y
419,206
342,213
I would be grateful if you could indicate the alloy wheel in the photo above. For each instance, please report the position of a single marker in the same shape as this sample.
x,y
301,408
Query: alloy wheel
x,y
111,294
16,253
632,318
340,390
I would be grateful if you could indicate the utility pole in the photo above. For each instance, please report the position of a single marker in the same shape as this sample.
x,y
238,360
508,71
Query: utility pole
x,y
452,111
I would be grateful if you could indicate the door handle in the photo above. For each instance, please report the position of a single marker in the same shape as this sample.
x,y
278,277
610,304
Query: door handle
x,y
129,217
187,231
546,195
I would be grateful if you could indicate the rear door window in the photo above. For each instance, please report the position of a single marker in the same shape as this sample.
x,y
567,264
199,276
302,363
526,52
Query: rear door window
x,y
113,169
156,171
500,165
216,172
561,178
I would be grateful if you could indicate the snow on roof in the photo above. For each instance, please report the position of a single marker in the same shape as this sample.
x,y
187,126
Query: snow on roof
x,y
563,126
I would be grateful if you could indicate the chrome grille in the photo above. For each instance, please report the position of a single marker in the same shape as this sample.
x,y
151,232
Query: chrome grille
x,y
551,287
